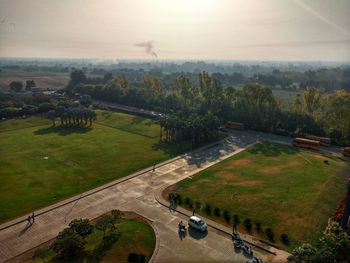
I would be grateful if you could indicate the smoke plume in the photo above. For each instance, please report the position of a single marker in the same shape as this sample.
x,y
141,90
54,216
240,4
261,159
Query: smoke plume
x,y
149,48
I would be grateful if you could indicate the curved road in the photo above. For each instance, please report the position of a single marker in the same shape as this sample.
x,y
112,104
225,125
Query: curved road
x,y
137,193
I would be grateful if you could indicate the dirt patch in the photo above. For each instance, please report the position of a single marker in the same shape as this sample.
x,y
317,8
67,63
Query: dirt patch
x,y
239,163
277,169
271,169
248,183
226,175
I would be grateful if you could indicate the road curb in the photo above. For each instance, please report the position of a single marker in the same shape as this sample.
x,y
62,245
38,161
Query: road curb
x,y
187,213
80,196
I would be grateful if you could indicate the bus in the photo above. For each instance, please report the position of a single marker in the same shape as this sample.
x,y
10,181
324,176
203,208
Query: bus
x,y
324,141
346,151
306,143
235,125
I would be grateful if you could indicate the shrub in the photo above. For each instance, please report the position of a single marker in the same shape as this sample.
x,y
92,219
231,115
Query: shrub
x,y
217,212
41,253
270,235
236,221
179,199
208,209
227,216
68,244
285,239
198,205
82,227
248,225
188,201
258,226
170,196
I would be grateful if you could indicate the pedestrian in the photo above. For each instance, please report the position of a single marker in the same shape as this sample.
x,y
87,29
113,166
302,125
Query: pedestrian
x,y
194,210
29,220
33,217
154,167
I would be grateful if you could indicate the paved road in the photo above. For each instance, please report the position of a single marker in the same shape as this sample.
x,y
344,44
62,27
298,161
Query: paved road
x,y
128,109
138,194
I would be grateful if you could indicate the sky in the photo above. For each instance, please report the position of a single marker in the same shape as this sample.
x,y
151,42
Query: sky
x,y
176,29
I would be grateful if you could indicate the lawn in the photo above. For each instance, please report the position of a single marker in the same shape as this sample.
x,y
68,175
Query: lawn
x,y
79,159
135,236
289,190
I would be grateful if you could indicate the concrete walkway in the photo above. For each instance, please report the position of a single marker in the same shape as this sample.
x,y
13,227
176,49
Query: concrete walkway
x,y
137,193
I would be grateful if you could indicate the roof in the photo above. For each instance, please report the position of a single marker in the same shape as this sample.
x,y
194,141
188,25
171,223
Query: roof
x,y
306,140
195,218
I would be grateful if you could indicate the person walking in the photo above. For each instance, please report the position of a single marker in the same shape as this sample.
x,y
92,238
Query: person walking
x,y
29,220
33,217
154,167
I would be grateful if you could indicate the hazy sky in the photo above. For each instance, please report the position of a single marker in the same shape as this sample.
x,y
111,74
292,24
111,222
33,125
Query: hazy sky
x,y
179,29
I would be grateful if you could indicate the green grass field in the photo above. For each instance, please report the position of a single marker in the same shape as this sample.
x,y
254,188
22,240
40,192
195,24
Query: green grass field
x,y
79,159
290,190
136,236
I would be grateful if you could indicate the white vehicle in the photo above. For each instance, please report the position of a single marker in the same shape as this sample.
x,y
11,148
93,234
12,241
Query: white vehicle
x,y
197,223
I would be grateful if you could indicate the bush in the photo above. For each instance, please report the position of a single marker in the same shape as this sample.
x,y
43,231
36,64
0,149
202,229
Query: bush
x,y
285,239
188,201
248,225
82,227
208,209
198,205
68,244
258,226
179,199
171,196
270,235
227,216
217,212
136,258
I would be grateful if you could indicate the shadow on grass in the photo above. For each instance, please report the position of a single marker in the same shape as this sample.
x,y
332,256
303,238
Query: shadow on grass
x,y
63,130
270,149
171,148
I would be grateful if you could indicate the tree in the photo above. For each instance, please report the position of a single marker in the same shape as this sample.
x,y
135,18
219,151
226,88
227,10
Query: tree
x,y
45,107
77,77
82,227
29,110
106,223
305,253
16,86
68,244
248,225
270,235
312,99
30,84
336,115
236,221
51,115
86,100
107,77
41,253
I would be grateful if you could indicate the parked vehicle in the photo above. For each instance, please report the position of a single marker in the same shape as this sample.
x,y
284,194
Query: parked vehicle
x,y
247,250
197,223
238,243
235,235
346,151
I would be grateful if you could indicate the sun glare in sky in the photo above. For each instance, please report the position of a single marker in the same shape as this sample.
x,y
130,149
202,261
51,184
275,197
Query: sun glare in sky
x,y
176,29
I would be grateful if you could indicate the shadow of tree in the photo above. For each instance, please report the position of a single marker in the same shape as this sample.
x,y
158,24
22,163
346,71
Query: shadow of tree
x,y
271,149
63,130
172,148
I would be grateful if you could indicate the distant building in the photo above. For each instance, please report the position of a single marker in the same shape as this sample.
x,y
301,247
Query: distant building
x,y
35,89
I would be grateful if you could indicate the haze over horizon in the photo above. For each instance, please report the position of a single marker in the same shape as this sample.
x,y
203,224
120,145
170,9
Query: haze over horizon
x,y
176,29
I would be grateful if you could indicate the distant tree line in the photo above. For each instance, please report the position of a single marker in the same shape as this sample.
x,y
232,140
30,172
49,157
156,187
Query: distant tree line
x,y
196,110
69,112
